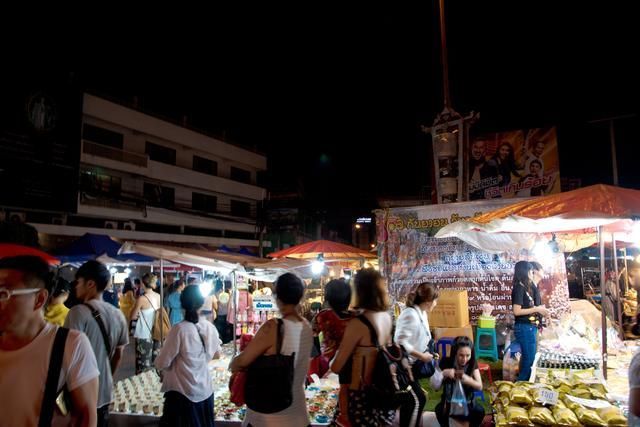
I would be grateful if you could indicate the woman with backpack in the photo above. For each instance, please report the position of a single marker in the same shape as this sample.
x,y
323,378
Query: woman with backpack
x,y
459,366
363,351
297,340
183,360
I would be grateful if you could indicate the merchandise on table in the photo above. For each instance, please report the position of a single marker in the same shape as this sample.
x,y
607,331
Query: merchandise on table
x,y
554,360
576,399
139,394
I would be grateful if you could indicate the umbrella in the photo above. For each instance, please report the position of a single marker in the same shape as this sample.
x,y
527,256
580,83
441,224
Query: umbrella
x,y
94,246
328,249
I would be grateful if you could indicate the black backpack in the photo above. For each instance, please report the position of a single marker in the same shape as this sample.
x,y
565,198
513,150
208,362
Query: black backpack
x,y
392,377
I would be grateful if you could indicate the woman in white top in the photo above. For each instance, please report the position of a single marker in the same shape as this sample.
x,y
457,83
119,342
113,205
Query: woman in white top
x,y
298,339
412,332
142,317
183,360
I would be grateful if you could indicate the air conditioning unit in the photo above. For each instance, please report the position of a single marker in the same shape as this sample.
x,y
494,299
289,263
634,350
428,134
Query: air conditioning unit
x,y
17,217
59,220
111,225
129,226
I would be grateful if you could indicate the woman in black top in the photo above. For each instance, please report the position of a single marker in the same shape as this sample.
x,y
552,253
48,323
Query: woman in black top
x,y
528,311
460,365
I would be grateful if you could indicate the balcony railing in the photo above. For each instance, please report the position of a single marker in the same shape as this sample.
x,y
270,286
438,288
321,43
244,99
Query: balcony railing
x,y
116,154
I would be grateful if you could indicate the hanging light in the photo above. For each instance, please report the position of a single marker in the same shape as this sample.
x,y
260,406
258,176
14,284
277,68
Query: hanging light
x,y
127,270
113,270
318,265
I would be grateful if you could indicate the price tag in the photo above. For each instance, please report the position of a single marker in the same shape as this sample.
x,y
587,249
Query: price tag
x,y
549,397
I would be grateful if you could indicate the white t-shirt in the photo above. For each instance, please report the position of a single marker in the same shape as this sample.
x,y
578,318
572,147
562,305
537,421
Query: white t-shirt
x,y
23,374
185,362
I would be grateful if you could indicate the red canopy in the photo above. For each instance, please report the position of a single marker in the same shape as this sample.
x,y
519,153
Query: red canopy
x,y
328,249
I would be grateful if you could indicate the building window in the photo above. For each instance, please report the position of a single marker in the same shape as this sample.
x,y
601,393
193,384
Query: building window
x,y
240,175
157,195
161,154
239,208
100,184
200,164
102,136
204,202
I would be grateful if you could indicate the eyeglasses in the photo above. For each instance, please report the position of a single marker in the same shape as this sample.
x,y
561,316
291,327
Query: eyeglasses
x,y
5,293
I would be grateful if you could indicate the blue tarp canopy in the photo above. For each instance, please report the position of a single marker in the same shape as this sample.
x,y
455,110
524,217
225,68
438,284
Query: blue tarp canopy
x,y
93,246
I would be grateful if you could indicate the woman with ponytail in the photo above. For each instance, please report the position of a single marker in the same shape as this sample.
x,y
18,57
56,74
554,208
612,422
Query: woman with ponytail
x,y
183,360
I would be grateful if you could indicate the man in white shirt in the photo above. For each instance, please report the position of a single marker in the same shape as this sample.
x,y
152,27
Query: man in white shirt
x,y
92,278
26,343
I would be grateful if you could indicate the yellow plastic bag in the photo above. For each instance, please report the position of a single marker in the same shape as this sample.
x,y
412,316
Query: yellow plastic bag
x,y
581,393
589,417
565,417
499,383
505,388
541,416
612,416
517,416
520,396
597,394
501,420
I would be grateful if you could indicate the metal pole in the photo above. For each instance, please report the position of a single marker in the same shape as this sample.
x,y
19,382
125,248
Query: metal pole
x,y
603,314
626,272
161,312
445,58
614,158
617,283
234,308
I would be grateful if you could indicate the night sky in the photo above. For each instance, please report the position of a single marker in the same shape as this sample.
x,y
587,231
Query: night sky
x,y
337,105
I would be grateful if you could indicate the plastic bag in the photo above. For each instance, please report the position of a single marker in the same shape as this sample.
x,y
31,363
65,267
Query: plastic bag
x,y
501,420
565,417
517,416
520,396
612,416
459,407
589,417
541,416
436,379
505,388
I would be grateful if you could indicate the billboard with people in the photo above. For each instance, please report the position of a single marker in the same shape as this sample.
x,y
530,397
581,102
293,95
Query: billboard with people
x,y
521,163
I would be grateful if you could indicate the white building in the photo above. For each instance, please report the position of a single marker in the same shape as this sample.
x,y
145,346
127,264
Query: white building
x,y
144,178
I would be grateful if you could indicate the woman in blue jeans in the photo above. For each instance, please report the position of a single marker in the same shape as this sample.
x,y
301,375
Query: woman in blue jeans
x,y
528,311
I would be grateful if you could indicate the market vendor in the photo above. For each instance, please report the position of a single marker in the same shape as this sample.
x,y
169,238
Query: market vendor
x,y
528,311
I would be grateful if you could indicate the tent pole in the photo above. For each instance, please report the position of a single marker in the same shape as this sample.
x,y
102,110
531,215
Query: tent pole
x,y
161,298
617,284
626,272
234,287
602,296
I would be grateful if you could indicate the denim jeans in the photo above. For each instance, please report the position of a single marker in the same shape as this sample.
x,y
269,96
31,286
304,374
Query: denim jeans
x,y
527,336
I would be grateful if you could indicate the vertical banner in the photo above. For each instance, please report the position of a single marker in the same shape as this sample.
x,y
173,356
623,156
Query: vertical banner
x,y
521,163
411,255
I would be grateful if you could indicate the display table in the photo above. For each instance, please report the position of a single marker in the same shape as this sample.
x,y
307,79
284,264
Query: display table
x,y
139,401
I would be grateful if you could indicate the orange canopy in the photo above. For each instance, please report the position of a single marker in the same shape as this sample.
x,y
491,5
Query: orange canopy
x,y
11,250
328,249
596,201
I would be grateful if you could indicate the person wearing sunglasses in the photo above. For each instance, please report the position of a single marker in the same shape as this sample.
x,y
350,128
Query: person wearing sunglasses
x,y
28,385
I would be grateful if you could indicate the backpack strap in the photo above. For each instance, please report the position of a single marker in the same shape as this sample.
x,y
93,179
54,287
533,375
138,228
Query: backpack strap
x,y
372,330
51,387
103,330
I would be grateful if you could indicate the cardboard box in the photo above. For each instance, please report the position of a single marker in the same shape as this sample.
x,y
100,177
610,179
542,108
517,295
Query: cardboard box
x,y
452,310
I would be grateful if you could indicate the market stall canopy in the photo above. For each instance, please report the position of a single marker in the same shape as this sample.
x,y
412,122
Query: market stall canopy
x,y
100,247
249,266
11,250
572,216
329,250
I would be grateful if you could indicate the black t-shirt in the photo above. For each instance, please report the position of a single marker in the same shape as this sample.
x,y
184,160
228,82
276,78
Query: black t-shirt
x,y
448,363
524,299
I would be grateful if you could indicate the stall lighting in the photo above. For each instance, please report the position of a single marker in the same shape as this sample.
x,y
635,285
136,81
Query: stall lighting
x,y
205,288
318,265
358,226
127,270
593,257
113,270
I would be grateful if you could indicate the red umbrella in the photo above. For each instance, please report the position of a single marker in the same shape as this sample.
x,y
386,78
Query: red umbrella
x,y
328,249
10,250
